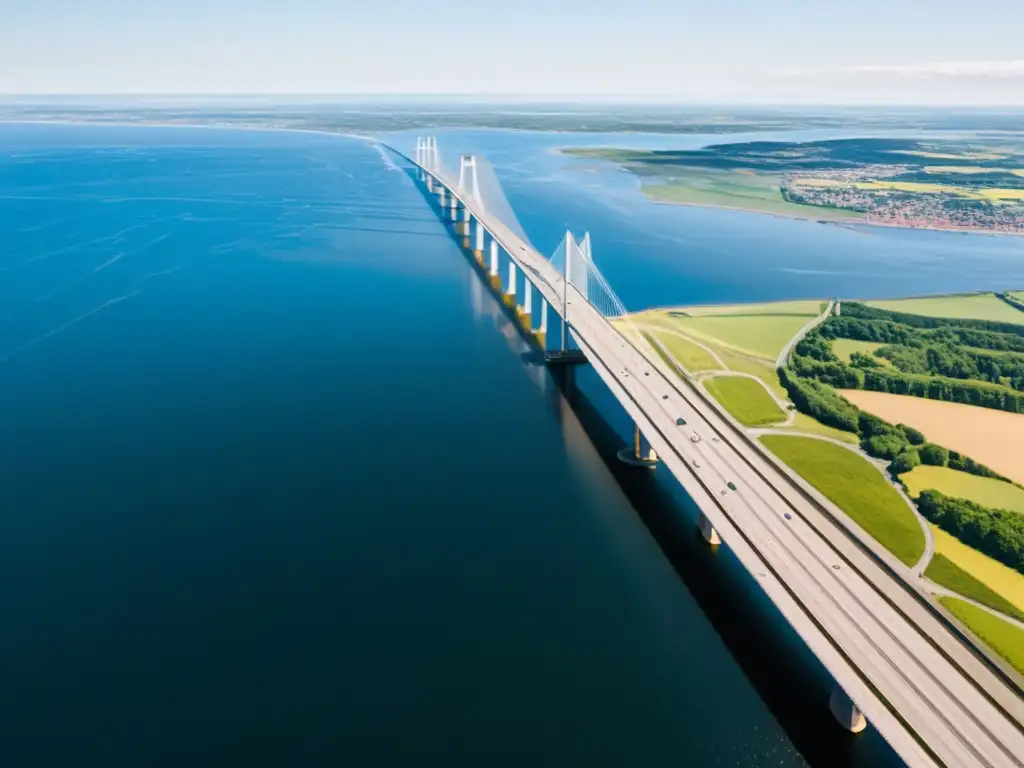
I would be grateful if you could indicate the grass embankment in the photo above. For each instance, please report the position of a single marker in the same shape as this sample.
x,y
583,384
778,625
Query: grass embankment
x,y
1001,579
760,335
746,399
690,356
804,423
857,488
986,491
995,438
967,306
948,574
1005,638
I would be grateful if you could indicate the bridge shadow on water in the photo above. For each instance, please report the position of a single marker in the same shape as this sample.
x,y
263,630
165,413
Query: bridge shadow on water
x,y
787,676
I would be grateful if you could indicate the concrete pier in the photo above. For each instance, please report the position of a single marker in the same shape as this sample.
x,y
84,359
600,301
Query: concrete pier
x,y
708,531
845,711
640,454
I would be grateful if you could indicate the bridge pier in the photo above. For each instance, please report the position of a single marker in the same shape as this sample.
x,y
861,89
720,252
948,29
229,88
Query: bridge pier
x,y
464,227
542,332
441,198
454,208
495,278
478,243
708,531
640,454
527,308
510,291
845,711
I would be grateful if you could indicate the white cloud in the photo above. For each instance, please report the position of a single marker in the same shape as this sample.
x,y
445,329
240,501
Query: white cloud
x,y
983,69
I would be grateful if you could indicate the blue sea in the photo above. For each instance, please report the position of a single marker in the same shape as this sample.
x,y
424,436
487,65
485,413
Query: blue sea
x,y
280,485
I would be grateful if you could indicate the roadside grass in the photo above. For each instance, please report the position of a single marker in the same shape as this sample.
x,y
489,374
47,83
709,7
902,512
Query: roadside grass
x,y
846,347
1005,638
747,401
1001,579
857,488
689,355
970,306
763,369
946,573
804,423
986,491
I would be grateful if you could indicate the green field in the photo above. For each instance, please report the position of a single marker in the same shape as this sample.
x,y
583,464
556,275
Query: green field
x,y
1005,638
804,423
1001,579
731,189
746,399
946,573
762,336
761,368
807,308
983,490
846,347
856,487
689,355
974,306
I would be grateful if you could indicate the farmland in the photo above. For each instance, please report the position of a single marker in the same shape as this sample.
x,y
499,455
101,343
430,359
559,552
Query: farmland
x,y
1006,582
994,438
975,306
986,491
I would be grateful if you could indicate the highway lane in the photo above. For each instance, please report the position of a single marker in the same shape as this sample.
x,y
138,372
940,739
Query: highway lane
x,y
908,686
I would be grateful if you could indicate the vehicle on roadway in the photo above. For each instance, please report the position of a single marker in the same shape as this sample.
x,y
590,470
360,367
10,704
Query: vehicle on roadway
x,y
694,438
680,422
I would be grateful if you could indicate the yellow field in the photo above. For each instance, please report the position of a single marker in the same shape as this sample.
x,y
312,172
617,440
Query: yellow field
x,y
819,183
995,438
993,574
973,306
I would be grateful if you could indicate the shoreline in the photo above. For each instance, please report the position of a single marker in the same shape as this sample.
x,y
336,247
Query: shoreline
x,y
839,222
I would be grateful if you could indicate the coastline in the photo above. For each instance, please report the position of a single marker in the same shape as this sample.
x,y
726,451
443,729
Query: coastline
x,y
837,222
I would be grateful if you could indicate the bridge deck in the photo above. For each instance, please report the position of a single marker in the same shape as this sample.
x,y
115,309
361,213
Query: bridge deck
x,y
926,693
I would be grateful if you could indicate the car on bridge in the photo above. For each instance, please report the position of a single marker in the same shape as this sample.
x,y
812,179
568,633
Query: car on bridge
x,y
680,422
694,438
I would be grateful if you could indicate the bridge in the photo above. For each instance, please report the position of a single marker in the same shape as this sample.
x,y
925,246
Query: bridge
x,y
896,659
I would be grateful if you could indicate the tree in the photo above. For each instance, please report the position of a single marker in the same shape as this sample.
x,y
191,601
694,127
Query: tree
x,y
933,455
905,462
914,436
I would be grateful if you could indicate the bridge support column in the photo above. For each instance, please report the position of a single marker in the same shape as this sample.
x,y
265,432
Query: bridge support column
x,y
478,242
495,278
454,208
640,454
440,198
846,712
542,332
467,221
430,181
510,290
527,307
708,531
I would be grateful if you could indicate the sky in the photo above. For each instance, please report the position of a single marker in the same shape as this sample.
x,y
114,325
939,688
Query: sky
x,y
913,52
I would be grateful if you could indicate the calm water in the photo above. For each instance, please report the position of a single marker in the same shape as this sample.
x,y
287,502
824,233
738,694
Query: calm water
x,y
278,485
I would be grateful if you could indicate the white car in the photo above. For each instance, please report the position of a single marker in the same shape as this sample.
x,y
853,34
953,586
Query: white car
x,y
695,438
